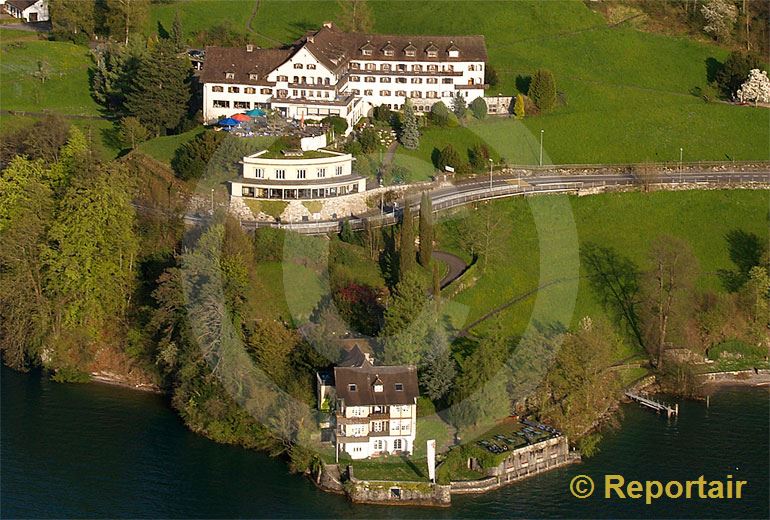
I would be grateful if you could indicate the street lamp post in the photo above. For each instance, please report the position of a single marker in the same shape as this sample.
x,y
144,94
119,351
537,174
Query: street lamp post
x,y
212,201
491,163
541,146
681,167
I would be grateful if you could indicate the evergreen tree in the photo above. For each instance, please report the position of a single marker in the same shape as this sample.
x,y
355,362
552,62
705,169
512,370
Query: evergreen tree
x,y
114,70
406,250
448,156
160,92
177,35
518,107
478,156
131,132
437,371
542,90
125,17
426,230
459,107
479,108
410,133
407,322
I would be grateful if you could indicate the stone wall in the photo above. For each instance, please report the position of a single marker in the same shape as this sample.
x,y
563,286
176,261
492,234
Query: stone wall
x,y
398,493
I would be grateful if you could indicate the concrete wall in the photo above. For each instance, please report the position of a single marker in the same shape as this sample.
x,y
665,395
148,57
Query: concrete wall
x,y
398,493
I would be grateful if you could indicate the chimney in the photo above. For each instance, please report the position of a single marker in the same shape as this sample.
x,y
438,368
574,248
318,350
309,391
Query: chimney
x,y
249,48
310,39
328,25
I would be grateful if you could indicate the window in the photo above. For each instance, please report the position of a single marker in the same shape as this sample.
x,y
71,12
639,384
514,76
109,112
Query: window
x,y
233,90
385,79
220,103
352,388
432,54
217,88
471,67
311,66
253,76
388,52
416,94
250,90
327,81
322,173
397,444
378,445
354,66
400,80
266,91
366,52
355,78
370,79
401,93
259,173
416,80
446,94
368,92
385,67
454,54
370,66
399,387
301,174
283,78
242,104
384,92
432,94
356,92
229,75
280,174
297,65
338,170
295,79
378,388
431,81
432,68
410,53
446,81
416,68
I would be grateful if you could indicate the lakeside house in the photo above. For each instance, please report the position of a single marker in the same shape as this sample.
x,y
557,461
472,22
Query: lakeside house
x,y
375,407
329,72
27,10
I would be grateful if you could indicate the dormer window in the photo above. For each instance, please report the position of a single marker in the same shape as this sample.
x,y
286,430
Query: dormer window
x,y
253,76
432,51
410,50
453,51
389,50
399,387
229,75
378,388
366,50
352,387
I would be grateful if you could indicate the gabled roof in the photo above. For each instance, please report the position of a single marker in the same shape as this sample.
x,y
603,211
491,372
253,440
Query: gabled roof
x,y
364,378
431,48
242,63
21,5
355,357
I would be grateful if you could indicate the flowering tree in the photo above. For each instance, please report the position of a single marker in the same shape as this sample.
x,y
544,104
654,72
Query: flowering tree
x,y
720,17
756,88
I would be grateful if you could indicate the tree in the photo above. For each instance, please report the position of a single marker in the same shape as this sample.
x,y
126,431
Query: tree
x,y
406,253
482,232
733,72
177,35
426,230
337,124
542,90
160,92
410,133
448,156
440,114
756,88
192,158
437,370
382,113
479,108
369,139
124,17
72,19
518,107
478,157
355,16
667,292
719,18
490,76
114,71
93,247
407,322
459,107
131,132
436,281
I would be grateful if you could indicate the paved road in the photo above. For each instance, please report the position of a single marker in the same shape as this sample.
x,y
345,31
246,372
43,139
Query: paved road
x,y
457,266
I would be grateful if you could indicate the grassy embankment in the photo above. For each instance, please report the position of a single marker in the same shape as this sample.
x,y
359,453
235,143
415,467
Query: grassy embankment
x,y
627,92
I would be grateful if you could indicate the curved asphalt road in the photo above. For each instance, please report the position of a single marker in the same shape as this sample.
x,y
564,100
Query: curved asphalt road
x,y
457,266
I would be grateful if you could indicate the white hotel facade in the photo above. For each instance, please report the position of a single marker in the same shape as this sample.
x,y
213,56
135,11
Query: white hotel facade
x,y
330,72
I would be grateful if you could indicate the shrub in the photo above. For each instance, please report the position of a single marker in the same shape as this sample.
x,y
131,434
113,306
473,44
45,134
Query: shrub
x,y
131,131
449,157
268,244
490,77
479,108
382,114
543,90
478,156
518,108
439,113
336,123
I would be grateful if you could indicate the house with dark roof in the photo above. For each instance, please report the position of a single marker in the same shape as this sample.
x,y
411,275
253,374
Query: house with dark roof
x,y
329,72
376,407
27,10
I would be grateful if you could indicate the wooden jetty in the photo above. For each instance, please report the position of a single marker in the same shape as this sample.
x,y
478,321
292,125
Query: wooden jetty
x,y
654,405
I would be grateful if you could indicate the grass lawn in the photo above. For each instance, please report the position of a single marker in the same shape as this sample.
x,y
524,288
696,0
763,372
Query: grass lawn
x,y
163,148
65,91
627,222
282,280
391,468
627,92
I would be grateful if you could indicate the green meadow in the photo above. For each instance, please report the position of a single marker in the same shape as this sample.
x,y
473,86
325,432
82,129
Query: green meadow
x,y
543,242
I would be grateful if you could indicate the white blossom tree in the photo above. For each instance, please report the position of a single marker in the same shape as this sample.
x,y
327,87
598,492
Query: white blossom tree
x,y
720,17
756,88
